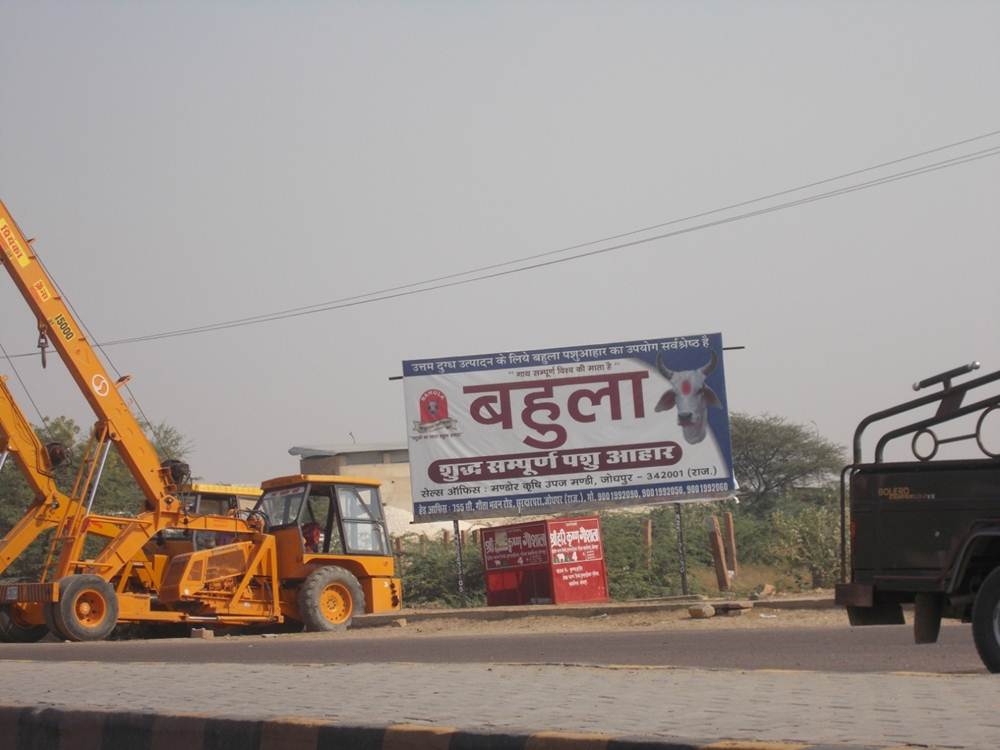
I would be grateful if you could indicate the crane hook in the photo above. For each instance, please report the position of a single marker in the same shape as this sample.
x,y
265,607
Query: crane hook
x,y
43,344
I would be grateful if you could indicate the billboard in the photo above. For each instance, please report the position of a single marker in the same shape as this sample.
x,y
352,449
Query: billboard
x,y
556,430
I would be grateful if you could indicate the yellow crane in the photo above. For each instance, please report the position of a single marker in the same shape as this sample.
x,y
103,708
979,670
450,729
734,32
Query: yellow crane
x,y
315,550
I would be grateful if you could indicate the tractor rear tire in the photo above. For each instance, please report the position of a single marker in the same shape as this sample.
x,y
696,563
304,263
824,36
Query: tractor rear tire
x,y
87,609
329,598
13,630
986,621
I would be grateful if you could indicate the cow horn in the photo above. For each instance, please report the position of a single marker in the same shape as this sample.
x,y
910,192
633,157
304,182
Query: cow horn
x,y
668,374
707,369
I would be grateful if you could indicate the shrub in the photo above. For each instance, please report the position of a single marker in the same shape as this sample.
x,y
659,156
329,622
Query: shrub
x,y
808,539
430,576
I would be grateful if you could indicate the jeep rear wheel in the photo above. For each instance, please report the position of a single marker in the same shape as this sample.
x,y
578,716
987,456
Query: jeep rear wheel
x,y
986,621
329,598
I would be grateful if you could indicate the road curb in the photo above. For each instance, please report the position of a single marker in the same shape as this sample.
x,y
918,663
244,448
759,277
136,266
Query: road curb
x,y
66,729
485,614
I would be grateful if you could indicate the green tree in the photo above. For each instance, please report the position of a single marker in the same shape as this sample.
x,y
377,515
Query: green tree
x,y
772,457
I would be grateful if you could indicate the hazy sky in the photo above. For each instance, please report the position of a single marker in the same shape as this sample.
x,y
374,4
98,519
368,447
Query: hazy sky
x,y
183,163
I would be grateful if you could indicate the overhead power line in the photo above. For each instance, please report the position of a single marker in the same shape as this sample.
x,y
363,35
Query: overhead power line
x,y
492,271
323,306
408,290
10,360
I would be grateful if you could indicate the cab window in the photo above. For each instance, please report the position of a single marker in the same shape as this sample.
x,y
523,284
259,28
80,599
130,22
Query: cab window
x,y
361,517
318,520
282,507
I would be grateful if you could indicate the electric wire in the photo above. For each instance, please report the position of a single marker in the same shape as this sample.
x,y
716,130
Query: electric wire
x,y
24,385
453,280
353,302
479,269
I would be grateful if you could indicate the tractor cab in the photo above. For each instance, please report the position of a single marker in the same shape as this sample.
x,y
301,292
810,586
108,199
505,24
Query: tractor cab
x,y
202,499
332,515
217,500
332,547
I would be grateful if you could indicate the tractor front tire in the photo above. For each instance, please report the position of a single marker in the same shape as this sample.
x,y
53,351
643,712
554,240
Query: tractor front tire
x,y
329,598
14,630
87,609
986,621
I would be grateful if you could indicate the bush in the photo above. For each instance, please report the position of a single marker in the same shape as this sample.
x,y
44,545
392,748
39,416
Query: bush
x,y
430,576
808,540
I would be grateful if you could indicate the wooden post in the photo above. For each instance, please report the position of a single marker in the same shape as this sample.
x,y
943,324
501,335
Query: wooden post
x,y
647,540
729,540
397,544
459,539
464,537
718,553
445,538
681,548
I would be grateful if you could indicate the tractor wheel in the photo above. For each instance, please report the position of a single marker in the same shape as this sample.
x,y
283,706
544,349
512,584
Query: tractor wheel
x,y
986,621
329,598
87,609
14,630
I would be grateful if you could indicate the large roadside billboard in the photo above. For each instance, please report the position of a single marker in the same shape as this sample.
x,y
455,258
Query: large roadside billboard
x,y
557,430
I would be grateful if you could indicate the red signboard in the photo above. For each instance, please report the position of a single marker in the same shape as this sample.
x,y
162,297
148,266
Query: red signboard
x,y
578,572
515,546
556,561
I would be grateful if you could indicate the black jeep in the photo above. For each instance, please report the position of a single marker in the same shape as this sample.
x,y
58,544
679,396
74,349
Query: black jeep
x,y
927,531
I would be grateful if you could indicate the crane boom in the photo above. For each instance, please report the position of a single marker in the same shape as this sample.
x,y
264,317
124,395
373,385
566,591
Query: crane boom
x,y
59,326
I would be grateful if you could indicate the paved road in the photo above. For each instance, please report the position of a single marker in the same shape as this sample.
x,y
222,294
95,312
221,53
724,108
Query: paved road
x,y
953,711
841,649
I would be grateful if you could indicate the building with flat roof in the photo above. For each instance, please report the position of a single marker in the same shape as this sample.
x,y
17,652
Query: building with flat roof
x,y
387,462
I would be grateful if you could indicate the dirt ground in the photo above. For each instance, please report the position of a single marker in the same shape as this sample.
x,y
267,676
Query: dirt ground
x,y
653,620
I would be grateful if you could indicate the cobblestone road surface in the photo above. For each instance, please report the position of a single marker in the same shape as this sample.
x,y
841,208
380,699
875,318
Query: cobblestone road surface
x,y
814,707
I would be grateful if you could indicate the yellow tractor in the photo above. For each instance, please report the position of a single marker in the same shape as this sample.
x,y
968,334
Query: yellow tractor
x,y
321,555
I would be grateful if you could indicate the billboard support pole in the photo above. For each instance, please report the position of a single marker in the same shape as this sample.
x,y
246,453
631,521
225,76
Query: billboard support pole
x,y
681,548
458,558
